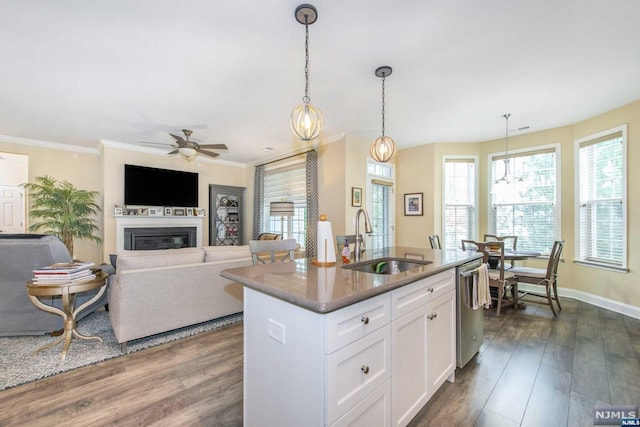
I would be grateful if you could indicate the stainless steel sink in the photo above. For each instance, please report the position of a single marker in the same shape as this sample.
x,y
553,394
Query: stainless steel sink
x,y
387,265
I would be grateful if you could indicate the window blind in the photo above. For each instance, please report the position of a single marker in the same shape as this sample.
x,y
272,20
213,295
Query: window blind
x,y
459,190
527,206
288,184
602,200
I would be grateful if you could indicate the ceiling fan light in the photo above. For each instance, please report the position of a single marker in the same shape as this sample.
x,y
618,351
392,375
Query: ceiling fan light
x,y
383,149
307,122
188,153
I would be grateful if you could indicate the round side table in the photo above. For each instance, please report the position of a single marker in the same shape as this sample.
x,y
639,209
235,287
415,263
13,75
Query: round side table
x,y
68,292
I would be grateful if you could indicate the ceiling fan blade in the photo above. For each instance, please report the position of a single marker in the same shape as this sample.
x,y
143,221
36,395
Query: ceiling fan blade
x,y
208,153
176,151
214,146
157,143
178,139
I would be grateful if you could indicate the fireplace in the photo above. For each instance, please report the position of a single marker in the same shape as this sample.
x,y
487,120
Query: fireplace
x,y
160,229
151,238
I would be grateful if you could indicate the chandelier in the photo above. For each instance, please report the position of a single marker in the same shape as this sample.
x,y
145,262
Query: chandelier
x,y
306,120
506,178
383,147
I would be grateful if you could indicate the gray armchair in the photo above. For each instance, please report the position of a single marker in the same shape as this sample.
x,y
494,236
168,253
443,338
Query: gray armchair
x,y
20,254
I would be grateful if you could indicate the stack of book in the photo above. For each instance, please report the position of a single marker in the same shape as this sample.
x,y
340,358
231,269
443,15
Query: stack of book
x,y
63,272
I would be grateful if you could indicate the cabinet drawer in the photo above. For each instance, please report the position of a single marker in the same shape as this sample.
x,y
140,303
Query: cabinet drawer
x,y
372,411
356,370
409,297
351,323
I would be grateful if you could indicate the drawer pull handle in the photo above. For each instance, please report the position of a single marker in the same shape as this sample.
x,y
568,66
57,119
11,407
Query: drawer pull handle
x,y
430,290
365,320
432,316
365,369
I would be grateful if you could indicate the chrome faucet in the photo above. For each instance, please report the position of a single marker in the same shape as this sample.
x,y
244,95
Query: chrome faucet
x,y
359,245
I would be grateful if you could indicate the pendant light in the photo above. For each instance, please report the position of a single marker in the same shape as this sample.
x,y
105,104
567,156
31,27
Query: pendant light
x,y
383,148
506,178
306,120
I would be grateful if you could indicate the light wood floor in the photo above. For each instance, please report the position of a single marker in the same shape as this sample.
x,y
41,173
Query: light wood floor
x,y
533,370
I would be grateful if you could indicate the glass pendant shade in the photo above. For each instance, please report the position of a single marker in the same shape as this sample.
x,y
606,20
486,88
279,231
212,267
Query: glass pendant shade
x,y
188,153
382,149
307,122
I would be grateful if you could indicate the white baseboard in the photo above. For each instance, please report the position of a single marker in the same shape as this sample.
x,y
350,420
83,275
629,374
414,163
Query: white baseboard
x,y
609,304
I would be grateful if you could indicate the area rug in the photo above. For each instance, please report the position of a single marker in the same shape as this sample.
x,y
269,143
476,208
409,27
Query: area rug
x,y
18,366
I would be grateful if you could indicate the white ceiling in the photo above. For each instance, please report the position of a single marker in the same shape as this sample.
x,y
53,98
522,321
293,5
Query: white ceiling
x,y
77,71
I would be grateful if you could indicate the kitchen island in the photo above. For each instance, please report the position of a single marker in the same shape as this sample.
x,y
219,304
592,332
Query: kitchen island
x,y
334,346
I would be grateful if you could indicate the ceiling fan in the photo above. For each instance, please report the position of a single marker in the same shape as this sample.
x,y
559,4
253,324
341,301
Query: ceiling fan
x,y
189,149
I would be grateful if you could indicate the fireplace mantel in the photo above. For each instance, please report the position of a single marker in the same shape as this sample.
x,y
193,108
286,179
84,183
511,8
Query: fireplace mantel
x,y
143,221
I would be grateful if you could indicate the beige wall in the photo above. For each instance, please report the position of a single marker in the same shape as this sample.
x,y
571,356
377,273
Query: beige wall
x,y
79,168
342,165
114,159
420,170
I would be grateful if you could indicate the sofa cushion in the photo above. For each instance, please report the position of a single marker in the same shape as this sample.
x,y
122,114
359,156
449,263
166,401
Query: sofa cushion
x,y
130,260
221,253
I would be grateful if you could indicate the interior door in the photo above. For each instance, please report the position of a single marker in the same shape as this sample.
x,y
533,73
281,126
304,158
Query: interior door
x,y
12,212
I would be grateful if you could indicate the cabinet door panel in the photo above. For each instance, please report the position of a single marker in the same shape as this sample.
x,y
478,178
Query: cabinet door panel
x,y
356,370
410,297
354,322
409,365
373,411
441,338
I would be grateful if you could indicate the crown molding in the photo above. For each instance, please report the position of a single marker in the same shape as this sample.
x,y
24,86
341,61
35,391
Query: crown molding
x,y
163,152
48,144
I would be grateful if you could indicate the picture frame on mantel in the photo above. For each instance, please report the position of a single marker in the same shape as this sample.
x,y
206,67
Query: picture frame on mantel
x,y
356,197
413,204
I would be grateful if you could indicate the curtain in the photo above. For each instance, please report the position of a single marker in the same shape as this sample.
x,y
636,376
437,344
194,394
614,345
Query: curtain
x,y
258,198
311,240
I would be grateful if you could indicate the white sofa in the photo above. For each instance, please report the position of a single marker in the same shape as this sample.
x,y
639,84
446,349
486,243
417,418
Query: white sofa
x,y
155,291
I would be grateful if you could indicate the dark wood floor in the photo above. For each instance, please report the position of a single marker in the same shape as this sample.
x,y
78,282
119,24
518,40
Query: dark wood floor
x,y
533,370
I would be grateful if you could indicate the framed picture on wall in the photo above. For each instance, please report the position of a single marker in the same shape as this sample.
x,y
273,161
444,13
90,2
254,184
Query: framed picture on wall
x,y
413,204
356,196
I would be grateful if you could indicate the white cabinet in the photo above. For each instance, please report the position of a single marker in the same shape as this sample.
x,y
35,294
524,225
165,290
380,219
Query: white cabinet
x,y
373,363
354,371
358,351
423,343
409,365
441,341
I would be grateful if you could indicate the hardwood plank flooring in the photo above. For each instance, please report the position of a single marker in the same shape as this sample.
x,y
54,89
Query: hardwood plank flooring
x,y
532,370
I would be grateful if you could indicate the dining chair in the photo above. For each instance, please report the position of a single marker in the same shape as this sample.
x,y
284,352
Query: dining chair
x,y
272,250
500,279
434,240
511,242
472,245
543,277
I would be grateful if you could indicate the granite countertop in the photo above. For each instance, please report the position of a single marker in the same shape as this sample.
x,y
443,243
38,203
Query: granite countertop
x,y
325,289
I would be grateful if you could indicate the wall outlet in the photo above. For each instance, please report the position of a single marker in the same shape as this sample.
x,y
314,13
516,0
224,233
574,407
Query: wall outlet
x,y
276,330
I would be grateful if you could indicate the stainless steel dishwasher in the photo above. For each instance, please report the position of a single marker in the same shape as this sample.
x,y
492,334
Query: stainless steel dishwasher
x,y
469,322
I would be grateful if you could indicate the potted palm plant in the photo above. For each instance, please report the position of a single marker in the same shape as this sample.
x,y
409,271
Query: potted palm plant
x,y
66,211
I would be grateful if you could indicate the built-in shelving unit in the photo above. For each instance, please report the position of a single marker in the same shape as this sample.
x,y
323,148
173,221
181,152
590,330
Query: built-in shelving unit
x,y
226,226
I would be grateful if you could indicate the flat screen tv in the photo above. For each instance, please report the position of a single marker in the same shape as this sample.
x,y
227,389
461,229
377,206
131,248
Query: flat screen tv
x,y
160,187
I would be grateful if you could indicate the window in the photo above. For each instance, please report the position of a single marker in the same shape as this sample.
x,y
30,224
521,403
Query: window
x,y
459,189
381,204
286,183
527,205
601,210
